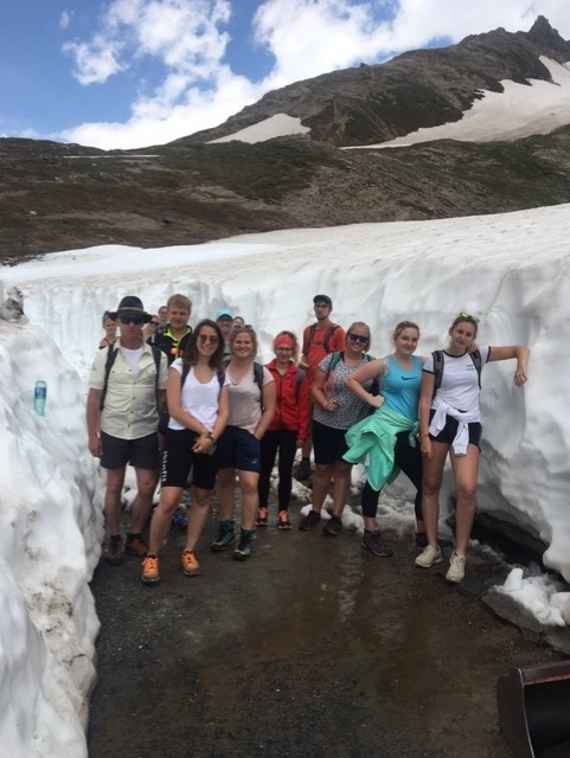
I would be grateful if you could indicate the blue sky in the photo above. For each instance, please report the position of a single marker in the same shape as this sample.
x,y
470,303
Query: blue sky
x,y
128,73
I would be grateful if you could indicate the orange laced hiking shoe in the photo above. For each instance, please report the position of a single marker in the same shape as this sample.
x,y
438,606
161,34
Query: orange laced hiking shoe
x,y
150,570
262,517
190,565
283,520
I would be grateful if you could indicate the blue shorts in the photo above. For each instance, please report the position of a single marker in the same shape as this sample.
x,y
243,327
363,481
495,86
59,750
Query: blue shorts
x,y
239,449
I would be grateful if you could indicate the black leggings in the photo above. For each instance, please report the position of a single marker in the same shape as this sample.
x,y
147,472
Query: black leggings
x,y
409,459
286,443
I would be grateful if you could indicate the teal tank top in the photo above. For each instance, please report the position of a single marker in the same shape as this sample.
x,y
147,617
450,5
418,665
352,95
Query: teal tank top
x,y
401,389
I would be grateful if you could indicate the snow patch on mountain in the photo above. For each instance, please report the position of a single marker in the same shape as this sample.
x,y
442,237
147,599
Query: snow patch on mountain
x,y
520,111
279,125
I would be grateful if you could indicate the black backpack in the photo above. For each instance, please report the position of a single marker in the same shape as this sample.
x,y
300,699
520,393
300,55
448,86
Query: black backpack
x,y
438,363
109,362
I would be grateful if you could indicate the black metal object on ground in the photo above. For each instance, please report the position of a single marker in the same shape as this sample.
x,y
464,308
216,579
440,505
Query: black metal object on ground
x,y
534,710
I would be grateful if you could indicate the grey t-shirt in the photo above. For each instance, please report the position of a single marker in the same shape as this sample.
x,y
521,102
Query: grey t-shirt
x,y
245,400
350,409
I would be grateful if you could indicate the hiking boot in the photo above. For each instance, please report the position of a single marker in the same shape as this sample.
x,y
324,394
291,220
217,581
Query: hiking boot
x,y
456,570
114,551
150,573
373,542
303,471
135,545
190,565
312,519
333,527
226,536
283,520
429,556
246,546
262,516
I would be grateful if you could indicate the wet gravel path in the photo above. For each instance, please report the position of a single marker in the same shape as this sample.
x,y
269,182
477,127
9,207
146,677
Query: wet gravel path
x,y
312,648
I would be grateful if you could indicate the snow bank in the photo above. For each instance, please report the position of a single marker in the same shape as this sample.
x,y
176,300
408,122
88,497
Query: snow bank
x,y
279,125
520,111
49,544
541,595
511,270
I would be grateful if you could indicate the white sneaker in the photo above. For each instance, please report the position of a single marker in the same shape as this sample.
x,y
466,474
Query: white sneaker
x,y
456,570
429,556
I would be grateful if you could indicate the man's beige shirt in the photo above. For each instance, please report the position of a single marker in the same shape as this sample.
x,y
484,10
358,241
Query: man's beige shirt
x,y
130,403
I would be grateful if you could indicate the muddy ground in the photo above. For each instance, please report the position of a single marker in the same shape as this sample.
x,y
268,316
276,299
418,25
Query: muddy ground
x,y
312,648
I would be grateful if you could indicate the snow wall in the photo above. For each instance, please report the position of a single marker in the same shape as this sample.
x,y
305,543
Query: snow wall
x,y
511,270
50,532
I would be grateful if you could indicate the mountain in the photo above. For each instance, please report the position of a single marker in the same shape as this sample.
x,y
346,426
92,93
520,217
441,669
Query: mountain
x,y
57,197
418,89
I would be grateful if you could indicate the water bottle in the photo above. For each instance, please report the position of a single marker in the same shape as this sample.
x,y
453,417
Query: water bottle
x,y
40,397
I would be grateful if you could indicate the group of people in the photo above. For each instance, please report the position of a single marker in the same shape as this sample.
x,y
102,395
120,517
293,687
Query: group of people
x,y
193,405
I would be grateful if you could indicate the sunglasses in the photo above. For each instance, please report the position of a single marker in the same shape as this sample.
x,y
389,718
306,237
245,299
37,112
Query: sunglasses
x,y
358,338
467,317
211,338
136,320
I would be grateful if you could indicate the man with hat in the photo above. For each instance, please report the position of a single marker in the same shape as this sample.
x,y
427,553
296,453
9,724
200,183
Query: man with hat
x,y
225,320
319,339
127,385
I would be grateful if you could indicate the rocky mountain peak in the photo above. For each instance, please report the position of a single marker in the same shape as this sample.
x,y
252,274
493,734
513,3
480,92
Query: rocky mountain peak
x,y
542,33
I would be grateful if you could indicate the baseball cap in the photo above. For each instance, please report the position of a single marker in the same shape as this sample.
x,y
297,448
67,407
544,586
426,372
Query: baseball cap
x,y
224,313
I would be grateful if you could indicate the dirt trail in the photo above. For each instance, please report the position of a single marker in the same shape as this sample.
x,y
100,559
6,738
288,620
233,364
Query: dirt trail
x,y
312,648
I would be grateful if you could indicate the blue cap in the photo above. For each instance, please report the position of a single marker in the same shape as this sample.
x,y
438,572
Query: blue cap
x,y
224,313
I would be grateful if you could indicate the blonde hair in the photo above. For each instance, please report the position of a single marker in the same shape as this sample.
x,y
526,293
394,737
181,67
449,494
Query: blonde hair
x,y
247,329
179,301
399,328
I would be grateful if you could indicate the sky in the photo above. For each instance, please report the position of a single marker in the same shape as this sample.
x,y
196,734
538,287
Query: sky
x,y
131,73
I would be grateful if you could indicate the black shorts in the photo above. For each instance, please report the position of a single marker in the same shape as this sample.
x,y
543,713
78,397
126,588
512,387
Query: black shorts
x,y
329,444
179,462
141,453
239,449
447,434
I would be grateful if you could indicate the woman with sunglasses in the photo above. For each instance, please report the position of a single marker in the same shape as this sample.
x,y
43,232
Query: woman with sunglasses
x,y
386,440
336,409
450,422
198,402
252,405
287,431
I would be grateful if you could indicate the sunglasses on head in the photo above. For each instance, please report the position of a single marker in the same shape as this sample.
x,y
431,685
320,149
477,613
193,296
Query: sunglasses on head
x,y
211,338
468,317
358,338
136,320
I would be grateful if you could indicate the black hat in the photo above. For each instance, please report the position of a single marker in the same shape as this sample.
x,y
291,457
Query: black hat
x,y
131,304
319,299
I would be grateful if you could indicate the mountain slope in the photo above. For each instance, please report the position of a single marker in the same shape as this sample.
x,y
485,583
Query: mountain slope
x,y
418,89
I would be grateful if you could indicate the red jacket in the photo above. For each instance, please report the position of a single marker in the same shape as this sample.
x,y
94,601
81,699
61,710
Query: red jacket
x,y
292,412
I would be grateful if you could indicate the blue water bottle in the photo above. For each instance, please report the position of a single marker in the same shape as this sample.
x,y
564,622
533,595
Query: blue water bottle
x,y
40,397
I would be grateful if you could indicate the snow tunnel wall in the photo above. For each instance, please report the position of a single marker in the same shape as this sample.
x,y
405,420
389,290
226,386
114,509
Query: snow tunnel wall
x,y
510,270
50,532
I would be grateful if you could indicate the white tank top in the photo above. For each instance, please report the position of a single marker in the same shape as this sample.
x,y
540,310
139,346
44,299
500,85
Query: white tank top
x,y
199,400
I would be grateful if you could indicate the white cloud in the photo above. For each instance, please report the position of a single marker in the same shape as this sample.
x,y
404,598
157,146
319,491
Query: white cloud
x,y
306,37
65,20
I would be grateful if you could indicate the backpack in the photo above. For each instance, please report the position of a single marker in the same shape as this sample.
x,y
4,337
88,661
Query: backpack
x,y
336,358
438,363
326,342
109,362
